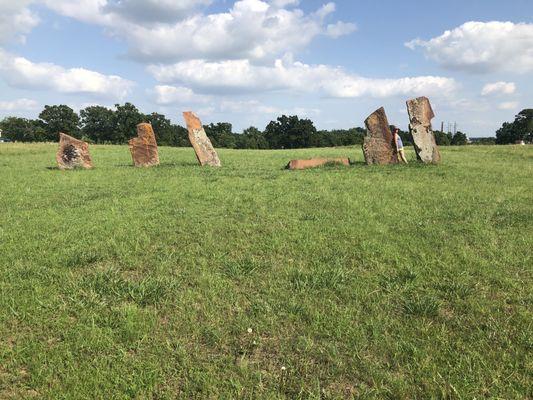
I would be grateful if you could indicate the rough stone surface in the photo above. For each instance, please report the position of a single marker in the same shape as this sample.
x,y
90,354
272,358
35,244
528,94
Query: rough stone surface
x,y
205,152
73,153
420,116
316,162
378,145
144,147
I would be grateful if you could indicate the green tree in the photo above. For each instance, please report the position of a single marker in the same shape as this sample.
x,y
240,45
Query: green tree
x,y
459,139
163,130
180,136
337,137
127,117
221,134
57,119
18,129
520,129
506,134
251,138
524,124
443,138
289,132
98,123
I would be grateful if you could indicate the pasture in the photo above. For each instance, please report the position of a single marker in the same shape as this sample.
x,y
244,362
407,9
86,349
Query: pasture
x,y
251,281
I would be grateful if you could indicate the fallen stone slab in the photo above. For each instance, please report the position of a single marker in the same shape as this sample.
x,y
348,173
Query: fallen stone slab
x,y
420,116
378,145
316,162
73,153
205,152
143,148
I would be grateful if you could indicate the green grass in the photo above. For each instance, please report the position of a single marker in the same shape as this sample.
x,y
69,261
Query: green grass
x,y
400,282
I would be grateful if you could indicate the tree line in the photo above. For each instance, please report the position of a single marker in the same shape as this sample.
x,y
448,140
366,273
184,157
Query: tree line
x,y
521,129
97,124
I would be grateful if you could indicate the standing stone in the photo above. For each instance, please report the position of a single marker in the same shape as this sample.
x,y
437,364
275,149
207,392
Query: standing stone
x,y
378,146
420,116
205,152
144,147
317,162
73,153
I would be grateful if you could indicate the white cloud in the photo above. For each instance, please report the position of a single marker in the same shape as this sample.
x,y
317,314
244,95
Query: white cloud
x,y
243,76
251,29
165,94
498,88
21,72
254,111
284,3
339,29
16,20
325,10
247,107
153,10
482,47
89,11
18,105
172,95
509,105
167,30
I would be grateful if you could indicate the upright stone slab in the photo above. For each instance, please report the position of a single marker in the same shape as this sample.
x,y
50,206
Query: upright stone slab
x,y
73,153
205,152
378,145
144,147
420,116
316,162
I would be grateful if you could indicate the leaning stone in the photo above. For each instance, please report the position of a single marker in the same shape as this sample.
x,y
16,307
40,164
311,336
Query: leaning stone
x,y
316,162
143,148
378,146
420,116
73,153
205,152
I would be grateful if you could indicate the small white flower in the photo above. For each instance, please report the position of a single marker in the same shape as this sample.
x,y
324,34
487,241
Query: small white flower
x,y
283,368
249,330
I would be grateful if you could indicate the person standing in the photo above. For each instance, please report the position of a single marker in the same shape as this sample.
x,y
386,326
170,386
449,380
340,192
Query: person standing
x,y
399,145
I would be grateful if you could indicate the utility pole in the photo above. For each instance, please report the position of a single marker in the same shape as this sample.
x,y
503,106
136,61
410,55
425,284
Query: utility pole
x,y
442,126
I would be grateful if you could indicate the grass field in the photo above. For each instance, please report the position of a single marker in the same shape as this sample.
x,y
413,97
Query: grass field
x,y
250,281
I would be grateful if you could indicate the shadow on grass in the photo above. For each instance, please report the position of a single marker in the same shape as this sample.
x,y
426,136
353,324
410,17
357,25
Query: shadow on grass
x,y
67,169
179,164
357,163
163,165
328,166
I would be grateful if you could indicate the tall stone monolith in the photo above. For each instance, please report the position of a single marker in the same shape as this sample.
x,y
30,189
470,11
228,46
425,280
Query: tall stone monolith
x,y
205,152
420,116
143,148
73,153
378,146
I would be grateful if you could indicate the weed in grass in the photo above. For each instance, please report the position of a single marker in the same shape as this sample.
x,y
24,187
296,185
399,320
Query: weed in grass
x,y
421,305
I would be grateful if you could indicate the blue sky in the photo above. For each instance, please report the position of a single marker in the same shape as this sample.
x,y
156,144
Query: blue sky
x,y
249,61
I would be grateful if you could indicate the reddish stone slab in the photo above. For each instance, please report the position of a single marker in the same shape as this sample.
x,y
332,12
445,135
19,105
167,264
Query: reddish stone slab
x,y
378,145
73,153
205,152
143,148
420,116
316,162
